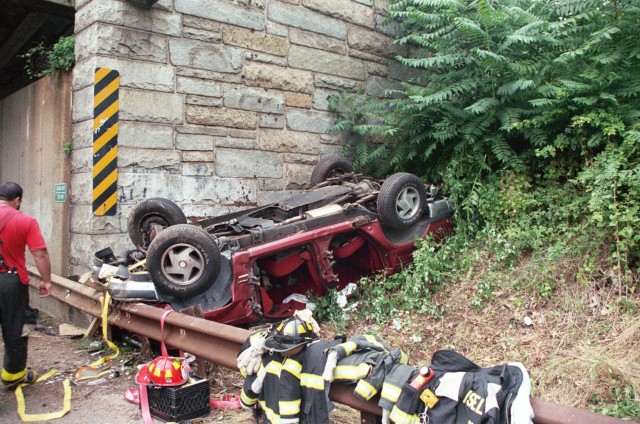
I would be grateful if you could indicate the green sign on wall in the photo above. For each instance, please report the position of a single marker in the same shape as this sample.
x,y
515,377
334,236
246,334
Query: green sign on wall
x,y
60,192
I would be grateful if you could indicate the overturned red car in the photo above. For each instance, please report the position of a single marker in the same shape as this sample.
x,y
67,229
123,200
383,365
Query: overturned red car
x,y
260,264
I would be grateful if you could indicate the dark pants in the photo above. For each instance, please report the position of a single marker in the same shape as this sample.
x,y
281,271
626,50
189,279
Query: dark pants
x,y
14,299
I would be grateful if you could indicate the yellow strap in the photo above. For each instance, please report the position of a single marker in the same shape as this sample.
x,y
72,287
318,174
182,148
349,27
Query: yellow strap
x,y
66,407
105,311
137,264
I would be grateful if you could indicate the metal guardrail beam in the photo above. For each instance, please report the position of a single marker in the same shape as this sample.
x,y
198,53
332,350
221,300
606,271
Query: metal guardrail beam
x,y
220,343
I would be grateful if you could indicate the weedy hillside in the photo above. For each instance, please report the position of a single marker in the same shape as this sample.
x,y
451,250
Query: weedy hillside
x,y
527,113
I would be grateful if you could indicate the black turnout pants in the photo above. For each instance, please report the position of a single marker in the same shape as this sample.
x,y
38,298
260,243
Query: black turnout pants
x,y
14,298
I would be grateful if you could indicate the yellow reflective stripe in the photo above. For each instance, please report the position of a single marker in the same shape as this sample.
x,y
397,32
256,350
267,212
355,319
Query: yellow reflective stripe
x,y
390,392
66,406
400,417
271,416
10,377
404,358
349,347
373,340
289,407
245,399
351,372
312,381
365,390
274,367
292,366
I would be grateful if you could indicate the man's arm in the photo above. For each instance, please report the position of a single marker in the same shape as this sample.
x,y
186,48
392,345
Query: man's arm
x,y
43,263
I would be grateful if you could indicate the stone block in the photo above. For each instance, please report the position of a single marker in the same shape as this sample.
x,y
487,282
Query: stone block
x,y
288,141
321,98
83,245
309,120
194,142
335,83
247,164
197,156
127,15
243,133
212,190
199,86
202,23
133,74
297,176
149,160
298,100
82,183
277,29
303,159
212,131
266,58
271,184
378,87
372,42
137,186
192,99
221,117
381,70
272,76
317,41
237,143
144,135
151,106
325,62
82,105
348,11
253,99
202,34
106,40
82,134
81,160
197,169
208,75
207,56
331,139
301,17
223,11
253,40
271,121
367,57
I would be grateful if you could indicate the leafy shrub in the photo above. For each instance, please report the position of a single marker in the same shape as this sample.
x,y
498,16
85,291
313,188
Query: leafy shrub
x,y
42,61
528,113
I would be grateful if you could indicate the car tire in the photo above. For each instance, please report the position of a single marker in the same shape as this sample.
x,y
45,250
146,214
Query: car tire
x,y
155,210
401,201
332,166
183,260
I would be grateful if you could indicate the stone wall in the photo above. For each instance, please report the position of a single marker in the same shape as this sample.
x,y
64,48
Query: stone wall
x,y
223,103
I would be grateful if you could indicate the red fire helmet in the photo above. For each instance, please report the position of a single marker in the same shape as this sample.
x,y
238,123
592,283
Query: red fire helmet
x,y
164,371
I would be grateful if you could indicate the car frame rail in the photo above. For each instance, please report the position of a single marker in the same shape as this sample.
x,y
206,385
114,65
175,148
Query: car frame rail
x,y
220,344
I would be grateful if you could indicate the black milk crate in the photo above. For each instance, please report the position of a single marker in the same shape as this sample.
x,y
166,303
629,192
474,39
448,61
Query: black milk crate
x,y
181,403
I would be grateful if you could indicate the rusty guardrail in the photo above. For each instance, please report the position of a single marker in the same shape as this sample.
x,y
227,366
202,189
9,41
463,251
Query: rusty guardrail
x,y
220,343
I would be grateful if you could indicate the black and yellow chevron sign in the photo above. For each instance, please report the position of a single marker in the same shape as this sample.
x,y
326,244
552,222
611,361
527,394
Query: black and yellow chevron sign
x,y
105,141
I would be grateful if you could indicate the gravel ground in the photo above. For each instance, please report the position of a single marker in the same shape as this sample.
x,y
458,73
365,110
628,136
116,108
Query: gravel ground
x,y
95,401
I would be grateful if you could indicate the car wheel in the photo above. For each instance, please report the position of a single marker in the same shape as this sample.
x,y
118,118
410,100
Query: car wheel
x,y
148,215
332,166
183,260
401,201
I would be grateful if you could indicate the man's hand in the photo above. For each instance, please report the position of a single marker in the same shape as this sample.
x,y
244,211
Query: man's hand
x,y
44,289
